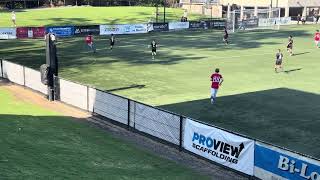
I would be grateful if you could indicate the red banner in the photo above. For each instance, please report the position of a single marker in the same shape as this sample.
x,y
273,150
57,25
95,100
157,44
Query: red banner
x,y
22,32
39,32
35,32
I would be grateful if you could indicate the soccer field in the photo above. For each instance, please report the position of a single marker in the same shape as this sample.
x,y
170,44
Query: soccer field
x,y
37,143
89,16
281,108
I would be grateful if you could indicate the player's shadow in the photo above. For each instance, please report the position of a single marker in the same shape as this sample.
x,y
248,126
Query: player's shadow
x,y
298,54
292,70
285,117
133,86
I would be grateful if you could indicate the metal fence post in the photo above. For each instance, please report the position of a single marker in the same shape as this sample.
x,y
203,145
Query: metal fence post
x,y
24,76
128,114
1,64
180,133
88,98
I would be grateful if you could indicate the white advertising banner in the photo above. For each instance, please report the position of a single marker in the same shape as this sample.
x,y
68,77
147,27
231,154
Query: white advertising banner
x,y
8,33
123,29
178,25
274,21
219,146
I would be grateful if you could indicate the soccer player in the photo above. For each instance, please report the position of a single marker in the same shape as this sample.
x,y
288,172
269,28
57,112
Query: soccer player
x,y
242,25
89,42
317,38
153,46
216,80
290,45
112,41
13,18
225,36
279,57
298,19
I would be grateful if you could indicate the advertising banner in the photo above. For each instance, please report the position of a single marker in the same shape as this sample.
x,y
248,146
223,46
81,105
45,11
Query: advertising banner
x,y
22,32
28,32
178,25
216,24
61,31
38,32
274,21
84,30
197,25
249,23
159,27
274,163
219,146
110,29
123,29
8,33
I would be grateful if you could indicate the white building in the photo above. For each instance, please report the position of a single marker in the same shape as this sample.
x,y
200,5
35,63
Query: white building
x,y
220,8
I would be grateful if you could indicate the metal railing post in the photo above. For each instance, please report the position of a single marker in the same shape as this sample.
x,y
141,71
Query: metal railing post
x,y
1,64
128,114
88,98
180,133
24,76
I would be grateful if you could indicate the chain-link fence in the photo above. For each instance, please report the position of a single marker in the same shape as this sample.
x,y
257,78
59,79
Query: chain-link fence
x,y
108,105
141,117
156,122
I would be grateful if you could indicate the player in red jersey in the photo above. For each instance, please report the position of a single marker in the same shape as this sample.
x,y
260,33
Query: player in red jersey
x,y
216,80
89,42
317,38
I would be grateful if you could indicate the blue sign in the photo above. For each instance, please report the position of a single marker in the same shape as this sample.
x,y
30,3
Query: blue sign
x,y
279,163
61,31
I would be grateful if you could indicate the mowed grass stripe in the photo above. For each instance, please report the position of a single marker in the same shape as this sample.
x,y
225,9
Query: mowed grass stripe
x,y
37,143
253,100
89,16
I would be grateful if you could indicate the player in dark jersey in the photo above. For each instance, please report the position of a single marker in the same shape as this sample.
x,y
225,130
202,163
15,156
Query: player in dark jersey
x,y
225,36
112,41
279,57
153,46
290,45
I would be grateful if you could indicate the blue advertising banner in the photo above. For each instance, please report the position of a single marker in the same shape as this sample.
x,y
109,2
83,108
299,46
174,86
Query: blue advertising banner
x,y
61,31
274,163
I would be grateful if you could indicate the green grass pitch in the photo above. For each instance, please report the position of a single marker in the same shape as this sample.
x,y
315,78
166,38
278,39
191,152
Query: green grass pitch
x,y
36,143
281,108
89,16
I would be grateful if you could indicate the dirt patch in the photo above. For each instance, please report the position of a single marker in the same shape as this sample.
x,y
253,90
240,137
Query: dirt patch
x,y
27,95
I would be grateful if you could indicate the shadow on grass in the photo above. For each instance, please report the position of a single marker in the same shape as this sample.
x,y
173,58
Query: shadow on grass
x,y
132,49
284,117
292,70
128,87
32,146
297,54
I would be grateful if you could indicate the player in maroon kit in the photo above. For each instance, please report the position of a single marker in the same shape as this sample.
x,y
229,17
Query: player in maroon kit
x,y
89,42
317,38
216,80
